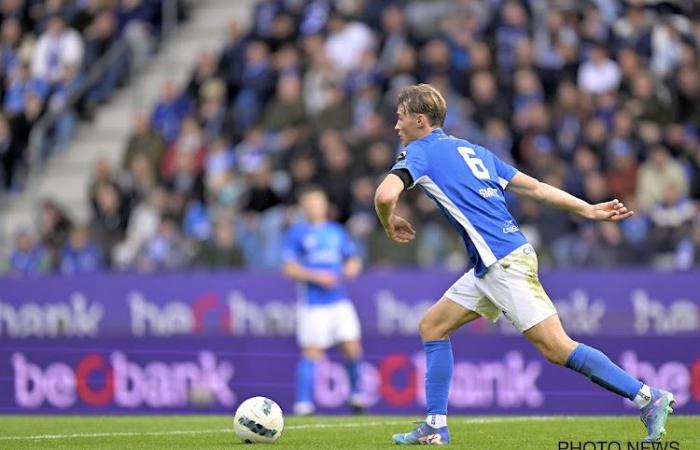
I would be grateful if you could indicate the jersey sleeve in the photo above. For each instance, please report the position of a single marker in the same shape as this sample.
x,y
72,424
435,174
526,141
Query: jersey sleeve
x,y
291,251
414,160
505,171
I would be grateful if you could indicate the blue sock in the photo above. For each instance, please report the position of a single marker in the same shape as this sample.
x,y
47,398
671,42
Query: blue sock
x,y
438,374
353,368
602,371
305,379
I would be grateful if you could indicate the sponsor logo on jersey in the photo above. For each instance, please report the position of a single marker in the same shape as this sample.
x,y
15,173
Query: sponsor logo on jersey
x,y
488,192
510,227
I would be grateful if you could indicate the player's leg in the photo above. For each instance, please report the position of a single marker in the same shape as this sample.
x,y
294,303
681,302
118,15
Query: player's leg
x,y
346,326
435,327
552,341
512,283
306,369
557,347
313,336
461,304
352,351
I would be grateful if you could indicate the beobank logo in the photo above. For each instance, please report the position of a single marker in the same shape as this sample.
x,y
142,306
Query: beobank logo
x,y
234,315
97,380
398,379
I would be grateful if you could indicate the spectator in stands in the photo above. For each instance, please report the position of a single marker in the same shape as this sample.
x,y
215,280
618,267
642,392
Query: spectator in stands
x,y
28,257
10,41
166,250
142,227
66,116
218,166
347,41
672,220
139,179
622,171
646,104
686,100
171,109
58,46
656,175
205,70
21,126
599,73
213,115
111,216
221,250
512,29
144,140
80,254
136,20
20,85
487,103
255,86
287,109
100,37
54,227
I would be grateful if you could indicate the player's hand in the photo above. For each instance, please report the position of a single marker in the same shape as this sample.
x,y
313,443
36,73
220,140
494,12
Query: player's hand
x,y
352,268
399,230
326,280
612,211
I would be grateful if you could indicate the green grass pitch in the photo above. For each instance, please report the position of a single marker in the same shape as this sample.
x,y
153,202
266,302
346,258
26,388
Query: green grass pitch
x,y
367,432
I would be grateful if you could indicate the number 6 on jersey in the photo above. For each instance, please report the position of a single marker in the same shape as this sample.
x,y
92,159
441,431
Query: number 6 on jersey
x,y
475,164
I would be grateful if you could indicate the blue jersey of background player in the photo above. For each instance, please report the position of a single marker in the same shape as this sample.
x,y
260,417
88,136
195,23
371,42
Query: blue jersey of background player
x,y
320,255
323,248
467,183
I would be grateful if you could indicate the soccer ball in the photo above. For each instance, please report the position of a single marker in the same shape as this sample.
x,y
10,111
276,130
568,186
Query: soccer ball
x,y
258,420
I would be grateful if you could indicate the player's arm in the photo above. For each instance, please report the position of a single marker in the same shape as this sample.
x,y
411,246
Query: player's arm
x,y
352,268
530,187
385,198
296,271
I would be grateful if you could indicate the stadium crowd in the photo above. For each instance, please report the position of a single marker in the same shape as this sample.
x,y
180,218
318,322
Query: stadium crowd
x,y
600,97
47,50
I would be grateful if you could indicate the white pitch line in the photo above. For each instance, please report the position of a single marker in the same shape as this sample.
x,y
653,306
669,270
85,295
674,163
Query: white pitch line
x,y
37,437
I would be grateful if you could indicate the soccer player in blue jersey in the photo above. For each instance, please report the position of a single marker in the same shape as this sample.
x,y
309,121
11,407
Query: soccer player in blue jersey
x,y
320,255
468,182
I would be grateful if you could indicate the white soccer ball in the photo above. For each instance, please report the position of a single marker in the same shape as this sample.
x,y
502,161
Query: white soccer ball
x,y
258,420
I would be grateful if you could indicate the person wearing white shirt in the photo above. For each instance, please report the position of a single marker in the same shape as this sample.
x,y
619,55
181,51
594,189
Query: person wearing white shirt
x,y
599,73
58,46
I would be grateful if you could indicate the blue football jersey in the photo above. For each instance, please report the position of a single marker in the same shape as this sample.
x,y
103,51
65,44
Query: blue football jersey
x,y
467,183
325,246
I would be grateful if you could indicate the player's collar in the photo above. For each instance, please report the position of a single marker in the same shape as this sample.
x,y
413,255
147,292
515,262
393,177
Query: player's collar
x,y
436,133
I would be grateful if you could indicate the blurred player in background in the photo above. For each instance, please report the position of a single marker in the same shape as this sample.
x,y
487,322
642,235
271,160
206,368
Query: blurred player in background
x,y
320,255
468,182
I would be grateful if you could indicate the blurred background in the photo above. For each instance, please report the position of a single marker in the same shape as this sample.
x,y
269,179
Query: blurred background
x,y
145,142
117,157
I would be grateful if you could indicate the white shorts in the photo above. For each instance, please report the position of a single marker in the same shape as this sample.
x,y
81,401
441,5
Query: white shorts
x,y
323,326
510,286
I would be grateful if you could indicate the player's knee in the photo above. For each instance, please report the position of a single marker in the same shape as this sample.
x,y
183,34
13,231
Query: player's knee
x,y
312,353
352,350
553,357
431,330
554,354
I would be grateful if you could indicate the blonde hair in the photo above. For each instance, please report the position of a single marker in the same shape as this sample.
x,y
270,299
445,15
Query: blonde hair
x,y
424,99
